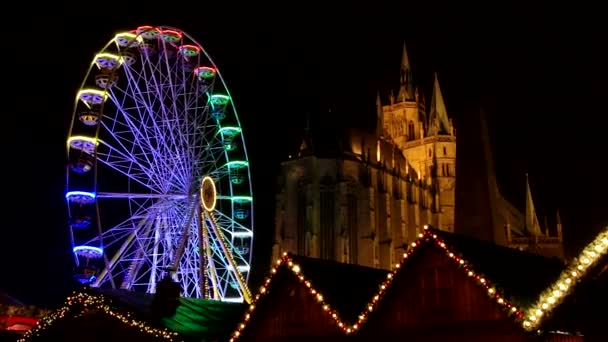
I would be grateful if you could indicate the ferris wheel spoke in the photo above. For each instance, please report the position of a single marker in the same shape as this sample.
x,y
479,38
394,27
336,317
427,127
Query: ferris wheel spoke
x,y
158,134
133,135
142,141
128,166
118,266
232,227
156,99
172,78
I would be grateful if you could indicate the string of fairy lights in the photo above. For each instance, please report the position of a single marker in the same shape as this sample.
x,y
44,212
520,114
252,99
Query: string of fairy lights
x,y
95,302
555,294
529,318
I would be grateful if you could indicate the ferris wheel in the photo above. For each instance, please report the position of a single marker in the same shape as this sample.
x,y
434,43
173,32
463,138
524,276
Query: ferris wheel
x,y
158,181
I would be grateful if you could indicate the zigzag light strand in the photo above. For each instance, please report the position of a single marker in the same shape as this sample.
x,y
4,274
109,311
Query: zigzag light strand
x,y
555,294
373,303
95,302
592,253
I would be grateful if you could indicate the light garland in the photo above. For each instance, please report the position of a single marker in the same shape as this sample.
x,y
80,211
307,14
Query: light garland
x,y
551,297
529,321
95,302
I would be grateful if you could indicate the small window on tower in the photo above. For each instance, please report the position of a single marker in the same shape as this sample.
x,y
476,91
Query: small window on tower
x,y
411,135
445,151
430,153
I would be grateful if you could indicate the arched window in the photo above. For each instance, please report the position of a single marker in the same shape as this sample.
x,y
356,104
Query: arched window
x,y
411,132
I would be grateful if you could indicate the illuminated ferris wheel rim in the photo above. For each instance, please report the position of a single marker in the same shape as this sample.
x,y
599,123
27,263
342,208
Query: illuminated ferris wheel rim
x,y
139,39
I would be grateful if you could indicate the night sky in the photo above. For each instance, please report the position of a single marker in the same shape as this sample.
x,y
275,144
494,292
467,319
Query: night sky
x,y
540,74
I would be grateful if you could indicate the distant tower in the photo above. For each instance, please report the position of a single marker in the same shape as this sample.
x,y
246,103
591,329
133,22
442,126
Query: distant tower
x,y
530,237
429,145
365,202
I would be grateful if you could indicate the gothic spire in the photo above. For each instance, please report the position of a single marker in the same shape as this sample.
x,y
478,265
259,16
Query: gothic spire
x,y
438,119
532,225
406,85
405,61
559,226
306,144
380,116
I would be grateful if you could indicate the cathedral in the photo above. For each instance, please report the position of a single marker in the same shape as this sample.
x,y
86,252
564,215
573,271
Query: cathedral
x,y
363,198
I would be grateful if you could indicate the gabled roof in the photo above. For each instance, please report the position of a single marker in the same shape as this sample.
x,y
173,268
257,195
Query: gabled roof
x,y
97,301
195,319
346,287
516,273
528,304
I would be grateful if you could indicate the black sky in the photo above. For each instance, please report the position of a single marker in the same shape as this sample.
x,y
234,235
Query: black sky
x,y
539,72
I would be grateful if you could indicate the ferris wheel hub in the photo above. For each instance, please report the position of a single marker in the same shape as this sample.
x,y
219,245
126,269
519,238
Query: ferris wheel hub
x,y
208,193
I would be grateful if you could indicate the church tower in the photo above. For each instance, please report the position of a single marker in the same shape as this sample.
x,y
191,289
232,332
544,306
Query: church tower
x,y
427,139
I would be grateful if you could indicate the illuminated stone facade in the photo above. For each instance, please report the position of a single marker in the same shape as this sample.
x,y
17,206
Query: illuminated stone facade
x,y
365,200
364,204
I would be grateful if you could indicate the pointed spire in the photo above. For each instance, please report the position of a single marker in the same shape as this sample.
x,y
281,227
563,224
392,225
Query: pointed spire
x,y
438,119
405,61
405,88
380,116
532,225
559,227
306,145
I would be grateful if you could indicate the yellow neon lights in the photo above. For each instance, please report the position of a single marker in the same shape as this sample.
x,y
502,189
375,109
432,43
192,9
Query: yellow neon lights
x,y
208,193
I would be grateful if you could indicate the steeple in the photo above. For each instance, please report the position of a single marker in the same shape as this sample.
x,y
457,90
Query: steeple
x,y
406,84
439,121
379,116
559,227
532,225
306,145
